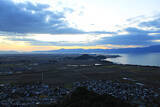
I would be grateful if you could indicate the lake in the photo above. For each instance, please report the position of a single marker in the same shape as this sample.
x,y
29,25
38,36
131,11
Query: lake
x,y
151,59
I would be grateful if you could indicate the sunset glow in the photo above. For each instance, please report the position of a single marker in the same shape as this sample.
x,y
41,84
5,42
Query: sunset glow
x,y
28,25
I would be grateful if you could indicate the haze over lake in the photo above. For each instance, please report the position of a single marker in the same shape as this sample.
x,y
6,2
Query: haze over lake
x,y
151,59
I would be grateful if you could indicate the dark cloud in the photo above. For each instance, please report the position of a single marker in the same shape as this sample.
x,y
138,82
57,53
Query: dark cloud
x,y
21,39
26,18
134,31
29,18
136,19
135,36
153,23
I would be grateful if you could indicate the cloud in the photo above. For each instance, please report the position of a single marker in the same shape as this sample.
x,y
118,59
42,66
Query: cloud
x,y
145,32
135,31
135,36
152,23
30,18
100,32
58,40
25,19
20,39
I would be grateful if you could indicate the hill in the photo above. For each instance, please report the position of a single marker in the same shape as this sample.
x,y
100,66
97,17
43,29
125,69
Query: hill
x,y
86,56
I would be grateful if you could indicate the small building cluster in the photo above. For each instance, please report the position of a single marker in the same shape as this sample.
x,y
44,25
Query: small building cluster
x,y
29,94
132,93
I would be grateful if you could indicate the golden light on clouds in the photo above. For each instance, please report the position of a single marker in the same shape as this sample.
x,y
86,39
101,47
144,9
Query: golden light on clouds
x,y
122,46
70,38
8,45
156,40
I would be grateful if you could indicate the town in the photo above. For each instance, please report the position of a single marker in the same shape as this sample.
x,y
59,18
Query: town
x,y
32,80
39,93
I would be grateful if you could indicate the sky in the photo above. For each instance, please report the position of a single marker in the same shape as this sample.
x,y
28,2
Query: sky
x,y
34,25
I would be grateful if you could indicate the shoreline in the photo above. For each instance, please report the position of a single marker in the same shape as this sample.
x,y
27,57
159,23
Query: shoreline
x,y
115,62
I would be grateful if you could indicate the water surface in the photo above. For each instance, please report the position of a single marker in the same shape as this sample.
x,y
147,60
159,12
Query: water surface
x,y
151,59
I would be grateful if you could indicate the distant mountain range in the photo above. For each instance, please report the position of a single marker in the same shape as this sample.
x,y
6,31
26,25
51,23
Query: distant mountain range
x,y
150,49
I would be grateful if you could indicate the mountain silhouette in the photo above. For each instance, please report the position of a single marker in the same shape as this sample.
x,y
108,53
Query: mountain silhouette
x,y
149,49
